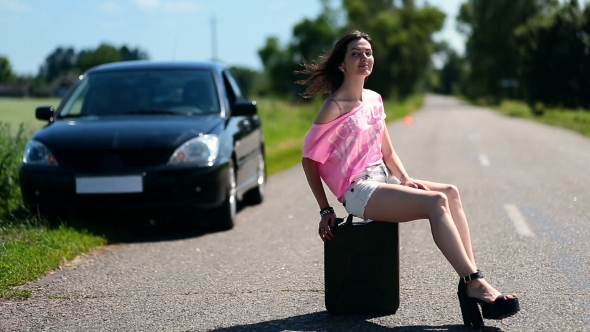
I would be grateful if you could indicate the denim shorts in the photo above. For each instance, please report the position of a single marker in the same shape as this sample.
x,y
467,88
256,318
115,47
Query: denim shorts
x,y
363,184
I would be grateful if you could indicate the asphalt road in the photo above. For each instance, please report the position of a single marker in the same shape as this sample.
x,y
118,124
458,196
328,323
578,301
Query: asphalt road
x,y
525,191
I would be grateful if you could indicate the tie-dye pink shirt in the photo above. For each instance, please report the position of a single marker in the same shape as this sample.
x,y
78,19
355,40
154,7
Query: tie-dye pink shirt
x,y
346,146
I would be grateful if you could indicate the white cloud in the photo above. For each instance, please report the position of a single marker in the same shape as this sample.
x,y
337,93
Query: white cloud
x,y
180,6
147,4
14,6
111,7
173,6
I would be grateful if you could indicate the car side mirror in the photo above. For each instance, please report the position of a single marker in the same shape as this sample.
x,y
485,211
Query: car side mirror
x,y
244,108
44,113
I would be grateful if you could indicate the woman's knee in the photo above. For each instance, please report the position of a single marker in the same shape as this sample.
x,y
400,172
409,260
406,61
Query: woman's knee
x,y
438,205
438,199
452,193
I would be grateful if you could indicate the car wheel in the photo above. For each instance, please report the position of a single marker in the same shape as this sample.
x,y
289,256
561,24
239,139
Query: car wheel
x,y
256,195
224,216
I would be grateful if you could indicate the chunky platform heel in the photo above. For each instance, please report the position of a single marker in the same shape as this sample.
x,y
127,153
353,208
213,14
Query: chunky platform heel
x,y
469,308
500,309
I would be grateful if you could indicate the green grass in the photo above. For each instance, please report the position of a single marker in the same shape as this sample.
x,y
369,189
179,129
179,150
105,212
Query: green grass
x,y
576,120
15,111
29,249
27,253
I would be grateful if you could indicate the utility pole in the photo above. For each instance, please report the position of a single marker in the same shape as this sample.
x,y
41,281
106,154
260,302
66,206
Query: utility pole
x,y
213,38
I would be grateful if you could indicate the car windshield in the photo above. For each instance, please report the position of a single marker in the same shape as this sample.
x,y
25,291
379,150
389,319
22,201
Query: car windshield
x,y
143,92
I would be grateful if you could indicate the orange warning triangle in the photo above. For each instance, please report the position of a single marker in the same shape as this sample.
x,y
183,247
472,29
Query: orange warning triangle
x,y
408,119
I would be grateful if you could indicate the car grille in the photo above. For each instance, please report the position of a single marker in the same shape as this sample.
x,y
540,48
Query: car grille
x,y
112,160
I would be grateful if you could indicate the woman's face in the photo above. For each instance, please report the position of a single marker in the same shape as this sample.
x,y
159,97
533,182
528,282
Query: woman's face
x,y
358,59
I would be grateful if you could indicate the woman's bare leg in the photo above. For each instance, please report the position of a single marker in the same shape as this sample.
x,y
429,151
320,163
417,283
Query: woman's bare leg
x,y
395,203
456,211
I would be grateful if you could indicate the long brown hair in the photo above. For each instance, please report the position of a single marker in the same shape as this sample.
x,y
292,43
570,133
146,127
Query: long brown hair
x,y
326,77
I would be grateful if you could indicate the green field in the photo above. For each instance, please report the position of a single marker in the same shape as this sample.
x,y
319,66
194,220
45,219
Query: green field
x,y
29,248
15,111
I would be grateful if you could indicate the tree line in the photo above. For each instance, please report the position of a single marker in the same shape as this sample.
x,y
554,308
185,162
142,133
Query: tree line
x,y
532,50
62,66
403,45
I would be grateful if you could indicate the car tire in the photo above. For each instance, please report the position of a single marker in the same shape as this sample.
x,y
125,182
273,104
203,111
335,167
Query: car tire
x,y
223,217
256,195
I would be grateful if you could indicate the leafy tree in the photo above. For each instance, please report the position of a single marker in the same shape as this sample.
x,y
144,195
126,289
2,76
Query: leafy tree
x,y
453,70
278,62
63,61
103,54
311,37
58,62
402,41
492,49
128,54
247,78
402,35
555,60
314,37
6,73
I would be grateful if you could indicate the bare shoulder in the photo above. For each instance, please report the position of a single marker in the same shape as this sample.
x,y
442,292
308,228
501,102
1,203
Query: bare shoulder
x,y
371,94
328,113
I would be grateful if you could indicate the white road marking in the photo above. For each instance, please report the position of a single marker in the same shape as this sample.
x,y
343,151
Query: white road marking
x,y
520,223
483,159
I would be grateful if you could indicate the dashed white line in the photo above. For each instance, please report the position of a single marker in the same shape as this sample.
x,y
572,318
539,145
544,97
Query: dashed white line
x,y
520,223
483,159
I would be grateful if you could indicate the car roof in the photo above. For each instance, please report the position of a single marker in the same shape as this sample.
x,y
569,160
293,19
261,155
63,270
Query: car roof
x,y
149,64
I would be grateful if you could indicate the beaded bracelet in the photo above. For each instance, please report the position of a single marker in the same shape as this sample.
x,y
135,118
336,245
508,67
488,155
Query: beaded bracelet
x,y
327,210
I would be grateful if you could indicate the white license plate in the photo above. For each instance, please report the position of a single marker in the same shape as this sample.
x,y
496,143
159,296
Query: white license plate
x,y
109,184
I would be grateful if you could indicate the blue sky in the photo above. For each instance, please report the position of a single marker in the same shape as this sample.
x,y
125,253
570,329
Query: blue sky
x,y
167,29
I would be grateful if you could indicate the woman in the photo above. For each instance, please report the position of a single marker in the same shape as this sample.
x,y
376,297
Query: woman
x,y
348,147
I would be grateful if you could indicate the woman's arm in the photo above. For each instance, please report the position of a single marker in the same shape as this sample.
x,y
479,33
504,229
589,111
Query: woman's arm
x,y
310,168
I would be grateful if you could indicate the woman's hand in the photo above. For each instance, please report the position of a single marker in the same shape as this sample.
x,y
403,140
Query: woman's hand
x,y
325,228
409,182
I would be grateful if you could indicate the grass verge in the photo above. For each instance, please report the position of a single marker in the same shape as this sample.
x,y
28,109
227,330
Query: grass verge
x,y
29,249
576,120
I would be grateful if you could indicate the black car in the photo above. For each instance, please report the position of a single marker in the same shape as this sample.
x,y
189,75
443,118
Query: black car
x,y
146,137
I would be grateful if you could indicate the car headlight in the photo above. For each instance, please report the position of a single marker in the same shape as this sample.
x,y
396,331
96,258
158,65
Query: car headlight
x,y
36,153
201,151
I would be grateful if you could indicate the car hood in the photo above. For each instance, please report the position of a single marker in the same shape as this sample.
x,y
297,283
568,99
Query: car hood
x,y
126,132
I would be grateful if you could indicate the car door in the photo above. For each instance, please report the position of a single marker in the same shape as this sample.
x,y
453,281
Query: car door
x,y
247,139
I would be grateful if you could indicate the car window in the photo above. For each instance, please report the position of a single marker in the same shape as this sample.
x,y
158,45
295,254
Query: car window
x,y
144,91
233,90
231,96
235,86
75,101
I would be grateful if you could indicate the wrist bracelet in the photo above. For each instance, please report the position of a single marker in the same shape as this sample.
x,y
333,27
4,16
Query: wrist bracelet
x,y
327,210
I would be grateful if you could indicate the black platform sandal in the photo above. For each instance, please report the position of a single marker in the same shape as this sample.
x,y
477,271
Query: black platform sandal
x,y
501,308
